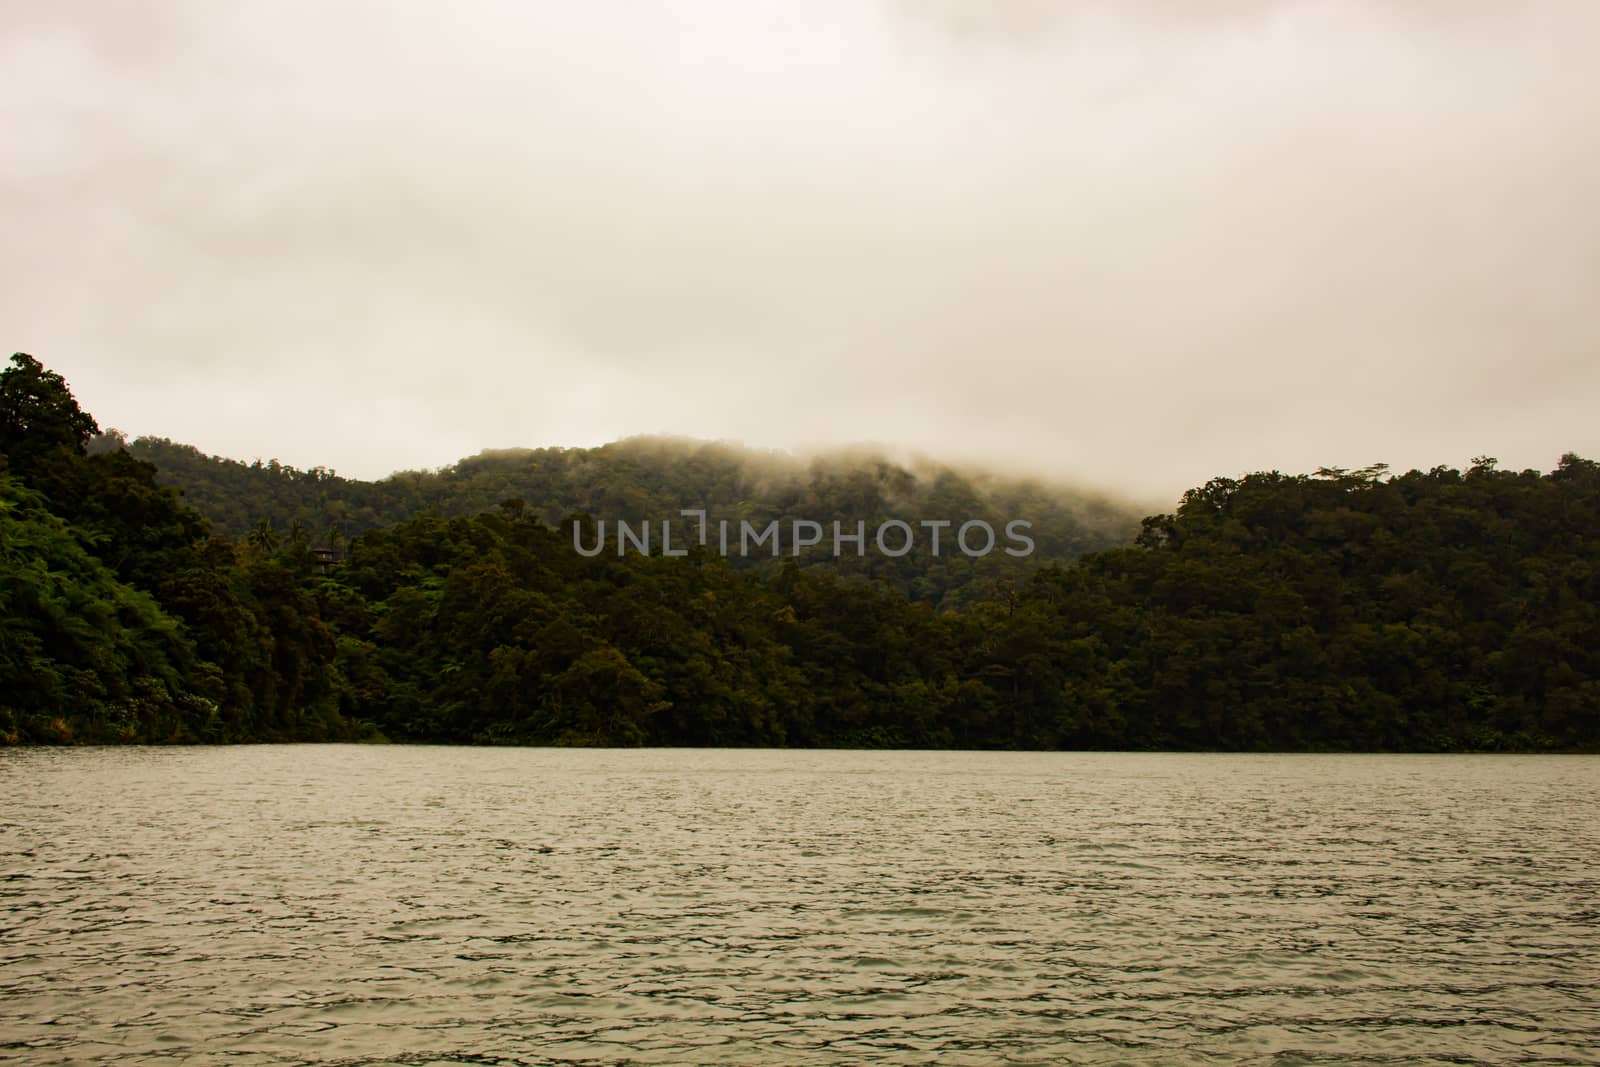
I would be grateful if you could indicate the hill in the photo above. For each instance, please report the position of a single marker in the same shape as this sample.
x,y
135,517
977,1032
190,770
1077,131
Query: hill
x,y
1443,610
647,479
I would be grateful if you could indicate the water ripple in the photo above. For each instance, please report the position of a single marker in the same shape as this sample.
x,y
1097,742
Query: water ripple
x,y
366,906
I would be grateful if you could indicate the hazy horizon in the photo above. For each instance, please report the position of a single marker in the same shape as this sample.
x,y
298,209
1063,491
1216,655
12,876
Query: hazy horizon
x,y
1133,245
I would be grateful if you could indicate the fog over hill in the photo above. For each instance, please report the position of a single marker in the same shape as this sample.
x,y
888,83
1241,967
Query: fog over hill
x,y
1439,610
652,479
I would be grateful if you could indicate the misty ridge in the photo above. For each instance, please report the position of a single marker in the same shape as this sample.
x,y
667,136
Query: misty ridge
x,y
648,480
1438,610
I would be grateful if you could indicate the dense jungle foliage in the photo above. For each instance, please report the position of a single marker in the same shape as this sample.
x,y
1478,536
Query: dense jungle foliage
x,y
1342,610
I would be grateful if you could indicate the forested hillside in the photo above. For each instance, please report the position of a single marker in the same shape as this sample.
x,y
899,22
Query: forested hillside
x,y
651,479
1443,610
121,619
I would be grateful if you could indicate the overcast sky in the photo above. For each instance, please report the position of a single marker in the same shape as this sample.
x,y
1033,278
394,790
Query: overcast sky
x,y
1137,243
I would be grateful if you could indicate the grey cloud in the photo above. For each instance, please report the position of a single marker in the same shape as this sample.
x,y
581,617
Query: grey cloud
x,y
1138,244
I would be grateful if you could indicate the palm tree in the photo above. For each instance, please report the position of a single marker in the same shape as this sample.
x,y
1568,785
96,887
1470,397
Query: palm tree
x,y
264,537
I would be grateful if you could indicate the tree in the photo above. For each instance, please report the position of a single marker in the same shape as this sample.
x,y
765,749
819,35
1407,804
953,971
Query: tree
x,y
38,414
264,537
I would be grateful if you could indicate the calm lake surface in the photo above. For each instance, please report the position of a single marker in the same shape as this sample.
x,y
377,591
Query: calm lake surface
x,y
403,905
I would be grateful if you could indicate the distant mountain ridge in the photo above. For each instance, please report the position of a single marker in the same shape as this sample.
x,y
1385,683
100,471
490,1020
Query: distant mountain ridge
x,y
655,478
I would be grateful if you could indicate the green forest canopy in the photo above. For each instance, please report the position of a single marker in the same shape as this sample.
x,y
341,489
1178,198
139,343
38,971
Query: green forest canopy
x,y
1341,610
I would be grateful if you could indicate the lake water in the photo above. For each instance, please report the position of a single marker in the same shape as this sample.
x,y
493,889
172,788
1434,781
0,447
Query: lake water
x,y
406,905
